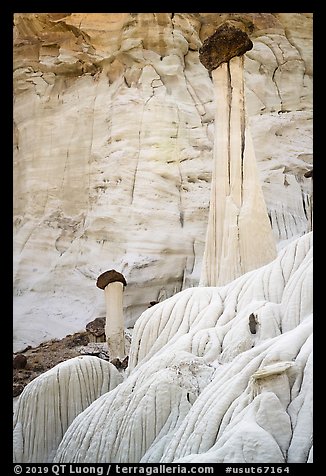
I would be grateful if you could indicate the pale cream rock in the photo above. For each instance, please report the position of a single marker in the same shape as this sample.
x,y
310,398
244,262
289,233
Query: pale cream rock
x,y
185,403
114,324
138,413
279,307
113,283
110,168
50,402
239,236
113,154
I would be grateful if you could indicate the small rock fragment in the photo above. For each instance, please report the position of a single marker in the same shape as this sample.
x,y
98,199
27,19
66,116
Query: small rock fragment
x,y
19,361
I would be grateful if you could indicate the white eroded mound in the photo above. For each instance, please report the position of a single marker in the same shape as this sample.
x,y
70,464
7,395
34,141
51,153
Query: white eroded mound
x,y
216,320
216,375
50,403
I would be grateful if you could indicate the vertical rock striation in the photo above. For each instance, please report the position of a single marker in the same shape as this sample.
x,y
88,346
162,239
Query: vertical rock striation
x,y
49,404
113,145
239,235
201,387
216,375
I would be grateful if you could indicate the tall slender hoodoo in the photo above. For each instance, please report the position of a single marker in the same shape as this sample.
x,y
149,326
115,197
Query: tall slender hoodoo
x,y
239,235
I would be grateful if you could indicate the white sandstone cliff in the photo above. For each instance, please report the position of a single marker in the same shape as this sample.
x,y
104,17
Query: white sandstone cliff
x,y
113,138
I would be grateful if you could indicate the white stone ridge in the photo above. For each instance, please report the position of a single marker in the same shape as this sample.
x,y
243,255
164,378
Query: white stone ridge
x,y
279,294
50,402
216,375
113,148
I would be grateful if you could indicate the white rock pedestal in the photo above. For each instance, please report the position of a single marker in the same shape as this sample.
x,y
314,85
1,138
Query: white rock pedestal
x,y
239,235
113,282
114,325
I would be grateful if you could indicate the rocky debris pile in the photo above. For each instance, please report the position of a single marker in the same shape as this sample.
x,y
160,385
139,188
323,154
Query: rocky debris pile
x,y
33,361
100,348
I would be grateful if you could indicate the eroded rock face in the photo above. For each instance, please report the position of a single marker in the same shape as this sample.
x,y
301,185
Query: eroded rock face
x,y
54,399
239,235
202,384
113,138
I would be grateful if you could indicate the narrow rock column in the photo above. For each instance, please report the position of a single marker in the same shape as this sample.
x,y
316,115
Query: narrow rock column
x,y
113,284
239,235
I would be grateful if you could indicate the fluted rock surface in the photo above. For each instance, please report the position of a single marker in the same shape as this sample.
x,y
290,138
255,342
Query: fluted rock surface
x,y
216,375
49,404
113,137
239,235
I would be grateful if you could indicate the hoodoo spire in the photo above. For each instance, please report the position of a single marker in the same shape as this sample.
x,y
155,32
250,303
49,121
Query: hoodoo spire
x,y
239,235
